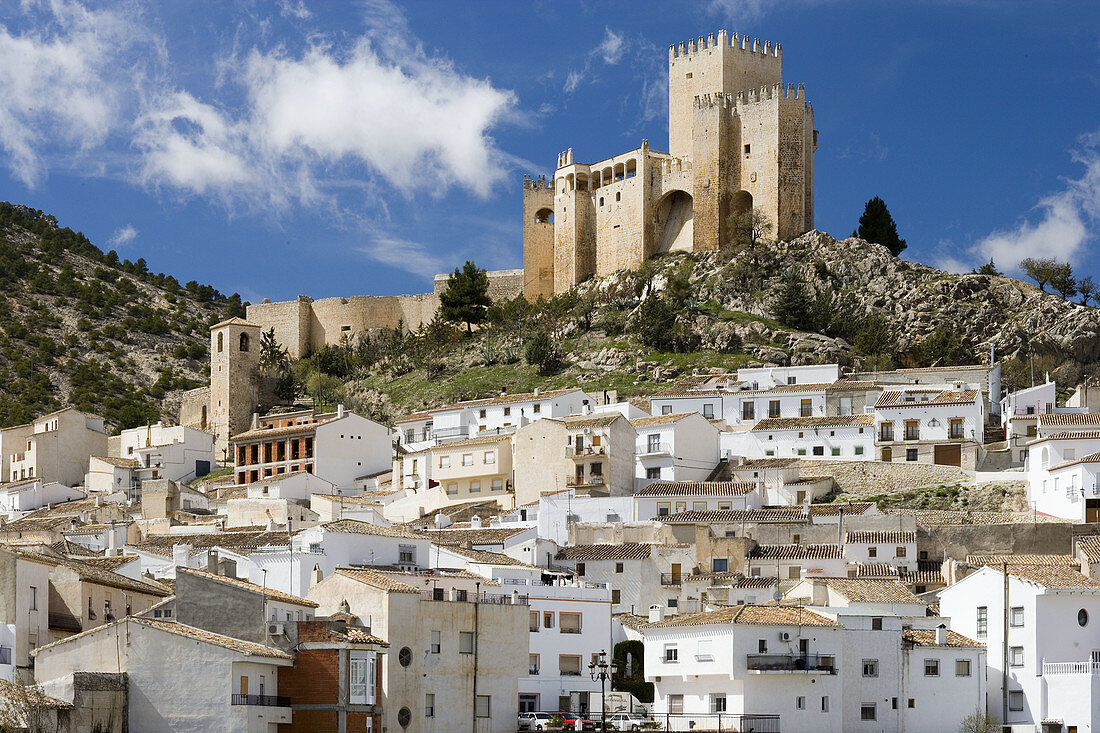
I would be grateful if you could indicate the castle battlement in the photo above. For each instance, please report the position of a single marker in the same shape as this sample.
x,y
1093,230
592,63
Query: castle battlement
x,y
724,40
535,184
675,165
781,92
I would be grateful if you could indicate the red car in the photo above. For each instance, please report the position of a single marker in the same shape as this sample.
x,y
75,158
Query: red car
x,y
572,721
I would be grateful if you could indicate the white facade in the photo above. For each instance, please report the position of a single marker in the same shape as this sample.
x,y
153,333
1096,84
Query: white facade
x,y
740,406
1053,639
556,511
675,448
23,611
21,498
59,447
1062,475
661,500
178,453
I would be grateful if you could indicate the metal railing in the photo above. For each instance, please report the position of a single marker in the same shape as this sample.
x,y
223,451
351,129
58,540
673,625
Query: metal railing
x,y
588,450
654,448
467,597
721,722
671,579
791,663
273,701
579,481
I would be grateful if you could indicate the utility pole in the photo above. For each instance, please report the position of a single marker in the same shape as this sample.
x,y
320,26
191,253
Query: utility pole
x,y
1004,650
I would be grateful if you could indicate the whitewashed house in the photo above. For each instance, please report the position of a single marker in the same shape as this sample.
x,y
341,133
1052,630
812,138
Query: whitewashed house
x,y
847,438
897,549
1062,474
177,453
19,498
638,574
677,447
665,498
930,425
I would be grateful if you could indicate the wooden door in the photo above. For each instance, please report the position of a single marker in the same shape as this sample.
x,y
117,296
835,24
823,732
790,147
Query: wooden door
x,y
948,455
675,572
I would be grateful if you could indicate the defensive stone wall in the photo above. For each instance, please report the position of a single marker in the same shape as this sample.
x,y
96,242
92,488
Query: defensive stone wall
x,y
958,541
875,477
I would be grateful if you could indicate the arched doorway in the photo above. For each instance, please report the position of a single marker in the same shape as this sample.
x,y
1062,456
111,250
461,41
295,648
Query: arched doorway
x,y
674,230
740,221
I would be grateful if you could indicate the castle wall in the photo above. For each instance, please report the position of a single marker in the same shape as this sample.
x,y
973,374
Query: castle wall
x,y
538,239
290,319
193,408
714,65
618,205
574,242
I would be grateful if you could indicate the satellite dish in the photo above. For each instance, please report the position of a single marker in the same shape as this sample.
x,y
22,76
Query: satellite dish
x,y
777,596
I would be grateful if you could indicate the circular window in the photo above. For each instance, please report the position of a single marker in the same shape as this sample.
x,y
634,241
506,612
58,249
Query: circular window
x,y
404,715
405,656
1082,617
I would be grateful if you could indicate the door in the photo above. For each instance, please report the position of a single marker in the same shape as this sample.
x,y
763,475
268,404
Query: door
x,y
244,685
1092,510
948,455
675,572
887,454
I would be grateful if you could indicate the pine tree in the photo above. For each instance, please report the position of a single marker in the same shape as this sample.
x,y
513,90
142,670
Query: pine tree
x,y
793,304
876,225
466,298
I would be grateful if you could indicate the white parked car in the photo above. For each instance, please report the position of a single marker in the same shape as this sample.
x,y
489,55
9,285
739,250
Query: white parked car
x,y
534,721
627,721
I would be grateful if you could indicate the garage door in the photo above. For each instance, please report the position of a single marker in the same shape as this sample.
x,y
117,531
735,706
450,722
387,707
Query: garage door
x,y
948,455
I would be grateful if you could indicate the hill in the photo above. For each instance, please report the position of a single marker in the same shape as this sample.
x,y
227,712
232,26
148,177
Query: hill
x,y
81,327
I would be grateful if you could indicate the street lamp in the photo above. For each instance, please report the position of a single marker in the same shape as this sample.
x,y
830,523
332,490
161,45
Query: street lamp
x,y
600,670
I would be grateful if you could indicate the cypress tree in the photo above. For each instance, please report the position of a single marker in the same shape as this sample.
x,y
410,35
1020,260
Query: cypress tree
x,y
876,225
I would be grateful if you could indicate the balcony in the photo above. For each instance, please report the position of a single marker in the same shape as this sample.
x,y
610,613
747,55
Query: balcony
x,y
670,579
654,449
764,663
588,450
579,481
271,701
1084,668
570,630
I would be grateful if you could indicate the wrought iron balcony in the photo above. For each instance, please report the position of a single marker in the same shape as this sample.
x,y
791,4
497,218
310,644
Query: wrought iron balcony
x,y
670,579
271,701
791,663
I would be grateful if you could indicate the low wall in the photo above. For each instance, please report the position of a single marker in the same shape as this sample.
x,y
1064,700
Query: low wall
x,y
867,478
958,541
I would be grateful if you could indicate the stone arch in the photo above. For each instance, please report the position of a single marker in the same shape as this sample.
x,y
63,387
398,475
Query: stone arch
x,y
674,223
244,342
740,224
606,176
569,182
544,216
631,168
1044,459
619,172
582,181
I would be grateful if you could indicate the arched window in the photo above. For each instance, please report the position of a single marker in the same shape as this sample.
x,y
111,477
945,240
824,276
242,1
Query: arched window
x,y
221,337
1045,460
244,342
544,216
631,168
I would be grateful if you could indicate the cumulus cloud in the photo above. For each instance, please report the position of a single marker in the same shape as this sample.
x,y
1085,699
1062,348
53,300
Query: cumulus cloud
x,y
1066,219
62,86
123,236
403,254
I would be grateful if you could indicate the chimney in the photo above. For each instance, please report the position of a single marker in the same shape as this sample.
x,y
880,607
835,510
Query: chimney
x,y
72,524
181,554
255,421
440,520
112,543
317,575
536,391
339,411
656,613
212,562
475,522
941,635
98,501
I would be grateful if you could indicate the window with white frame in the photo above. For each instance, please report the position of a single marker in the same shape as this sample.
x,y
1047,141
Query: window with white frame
x,y
429,705
444,461
467,459
962,667
490,457
870,668
359,682
867,711
1016,700
406,554
983,621
800,702
1016,617
672,654
466,642
717,702
704,651
436,642
1015,656
482,706
931,668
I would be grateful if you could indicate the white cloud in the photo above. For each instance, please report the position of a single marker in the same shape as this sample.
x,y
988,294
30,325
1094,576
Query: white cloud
x,y
403,254
753,10
62,85
123,236
1067,220
573,80
612,47
298,10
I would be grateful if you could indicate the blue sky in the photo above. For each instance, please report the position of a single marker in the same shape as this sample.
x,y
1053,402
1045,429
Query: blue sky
x,y
332,148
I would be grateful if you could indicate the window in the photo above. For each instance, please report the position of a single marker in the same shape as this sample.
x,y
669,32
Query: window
x,y
34,598
962,667
886,431
876,623
220,341
717,703
481,414
819,450
663,508
444,461
911,454
859,450
475,487
748,149
618,567
580,568
452,489
824,703
429,705
867,711
537,408
983,621
532,663
805,408
358,681
956,428
1082,618
569,665
507,411
666,409
912,429
1016,700
672,654
467,459
435,642
490,457
800,702
615,596
872,551
482,708
835,451
719,565
899,552
931,668
534,623
708,410
1016,617
465,642
498,484
773,408
676,704
406,554
748,410
912,703
762,646
870,668
244,342
1015,656
548,620
569,623
653,473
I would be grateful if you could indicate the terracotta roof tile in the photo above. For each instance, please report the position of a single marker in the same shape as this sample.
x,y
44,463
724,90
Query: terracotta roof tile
x,y
996,561
881,538
354,526
237,582
120,462
928,518
1091,419
1052,576
642,422
378,580
750,615
896,398
501,400
787,514
483,536
927,637
810,423
1089,547
867,590
625,551
796,552
242,541
696,488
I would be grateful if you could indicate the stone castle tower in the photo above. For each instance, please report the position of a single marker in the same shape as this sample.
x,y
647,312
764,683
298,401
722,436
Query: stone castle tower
x,y
738,140
234,378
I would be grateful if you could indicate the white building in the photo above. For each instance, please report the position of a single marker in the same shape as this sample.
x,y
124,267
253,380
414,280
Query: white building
x,y
837,438
794,562
884,547
738,404
57,447
936,425
665,498
1062,474
677,447
638,574
17,499
770,668
1053,643
178,453
24,607
180,677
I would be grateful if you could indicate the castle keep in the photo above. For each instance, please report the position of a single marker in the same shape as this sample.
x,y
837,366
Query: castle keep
x,y
738,140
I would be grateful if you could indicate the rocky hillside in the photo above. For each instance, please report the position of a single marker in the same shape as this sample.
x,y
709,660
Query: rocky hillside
x,y
79,326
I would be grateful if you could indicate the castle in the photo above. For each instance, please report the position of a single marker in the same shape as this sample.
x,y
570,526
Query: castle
x,y
738,140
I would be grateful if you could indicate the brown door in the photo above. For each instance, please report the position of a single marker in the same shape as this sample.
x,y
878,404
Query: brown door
x,y
887,454
675,572
948,455
244,685
1092,511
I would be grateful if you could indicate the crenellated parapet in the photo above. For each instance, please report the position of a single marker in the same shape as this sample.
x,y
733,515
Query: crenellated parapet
x,y
781,92
535,184
723,39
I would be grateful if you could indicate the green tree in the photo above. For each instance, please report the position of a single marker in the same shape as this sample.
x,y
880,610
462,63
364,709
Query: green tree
x,y
943,347
876,225
980,721
628,657
1040,269
793,304
541,352
988,269
466,298
1086,289
273,357
655,323
1063,282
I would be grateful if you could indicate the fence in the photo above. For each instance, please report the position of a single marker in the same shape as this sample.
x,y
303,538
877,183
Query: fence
x,y
719,722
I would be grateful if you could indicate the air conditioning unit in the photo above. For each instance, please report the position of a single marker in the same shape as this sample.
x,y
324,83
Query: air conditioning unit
x,y
784,636
587,431
275,630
